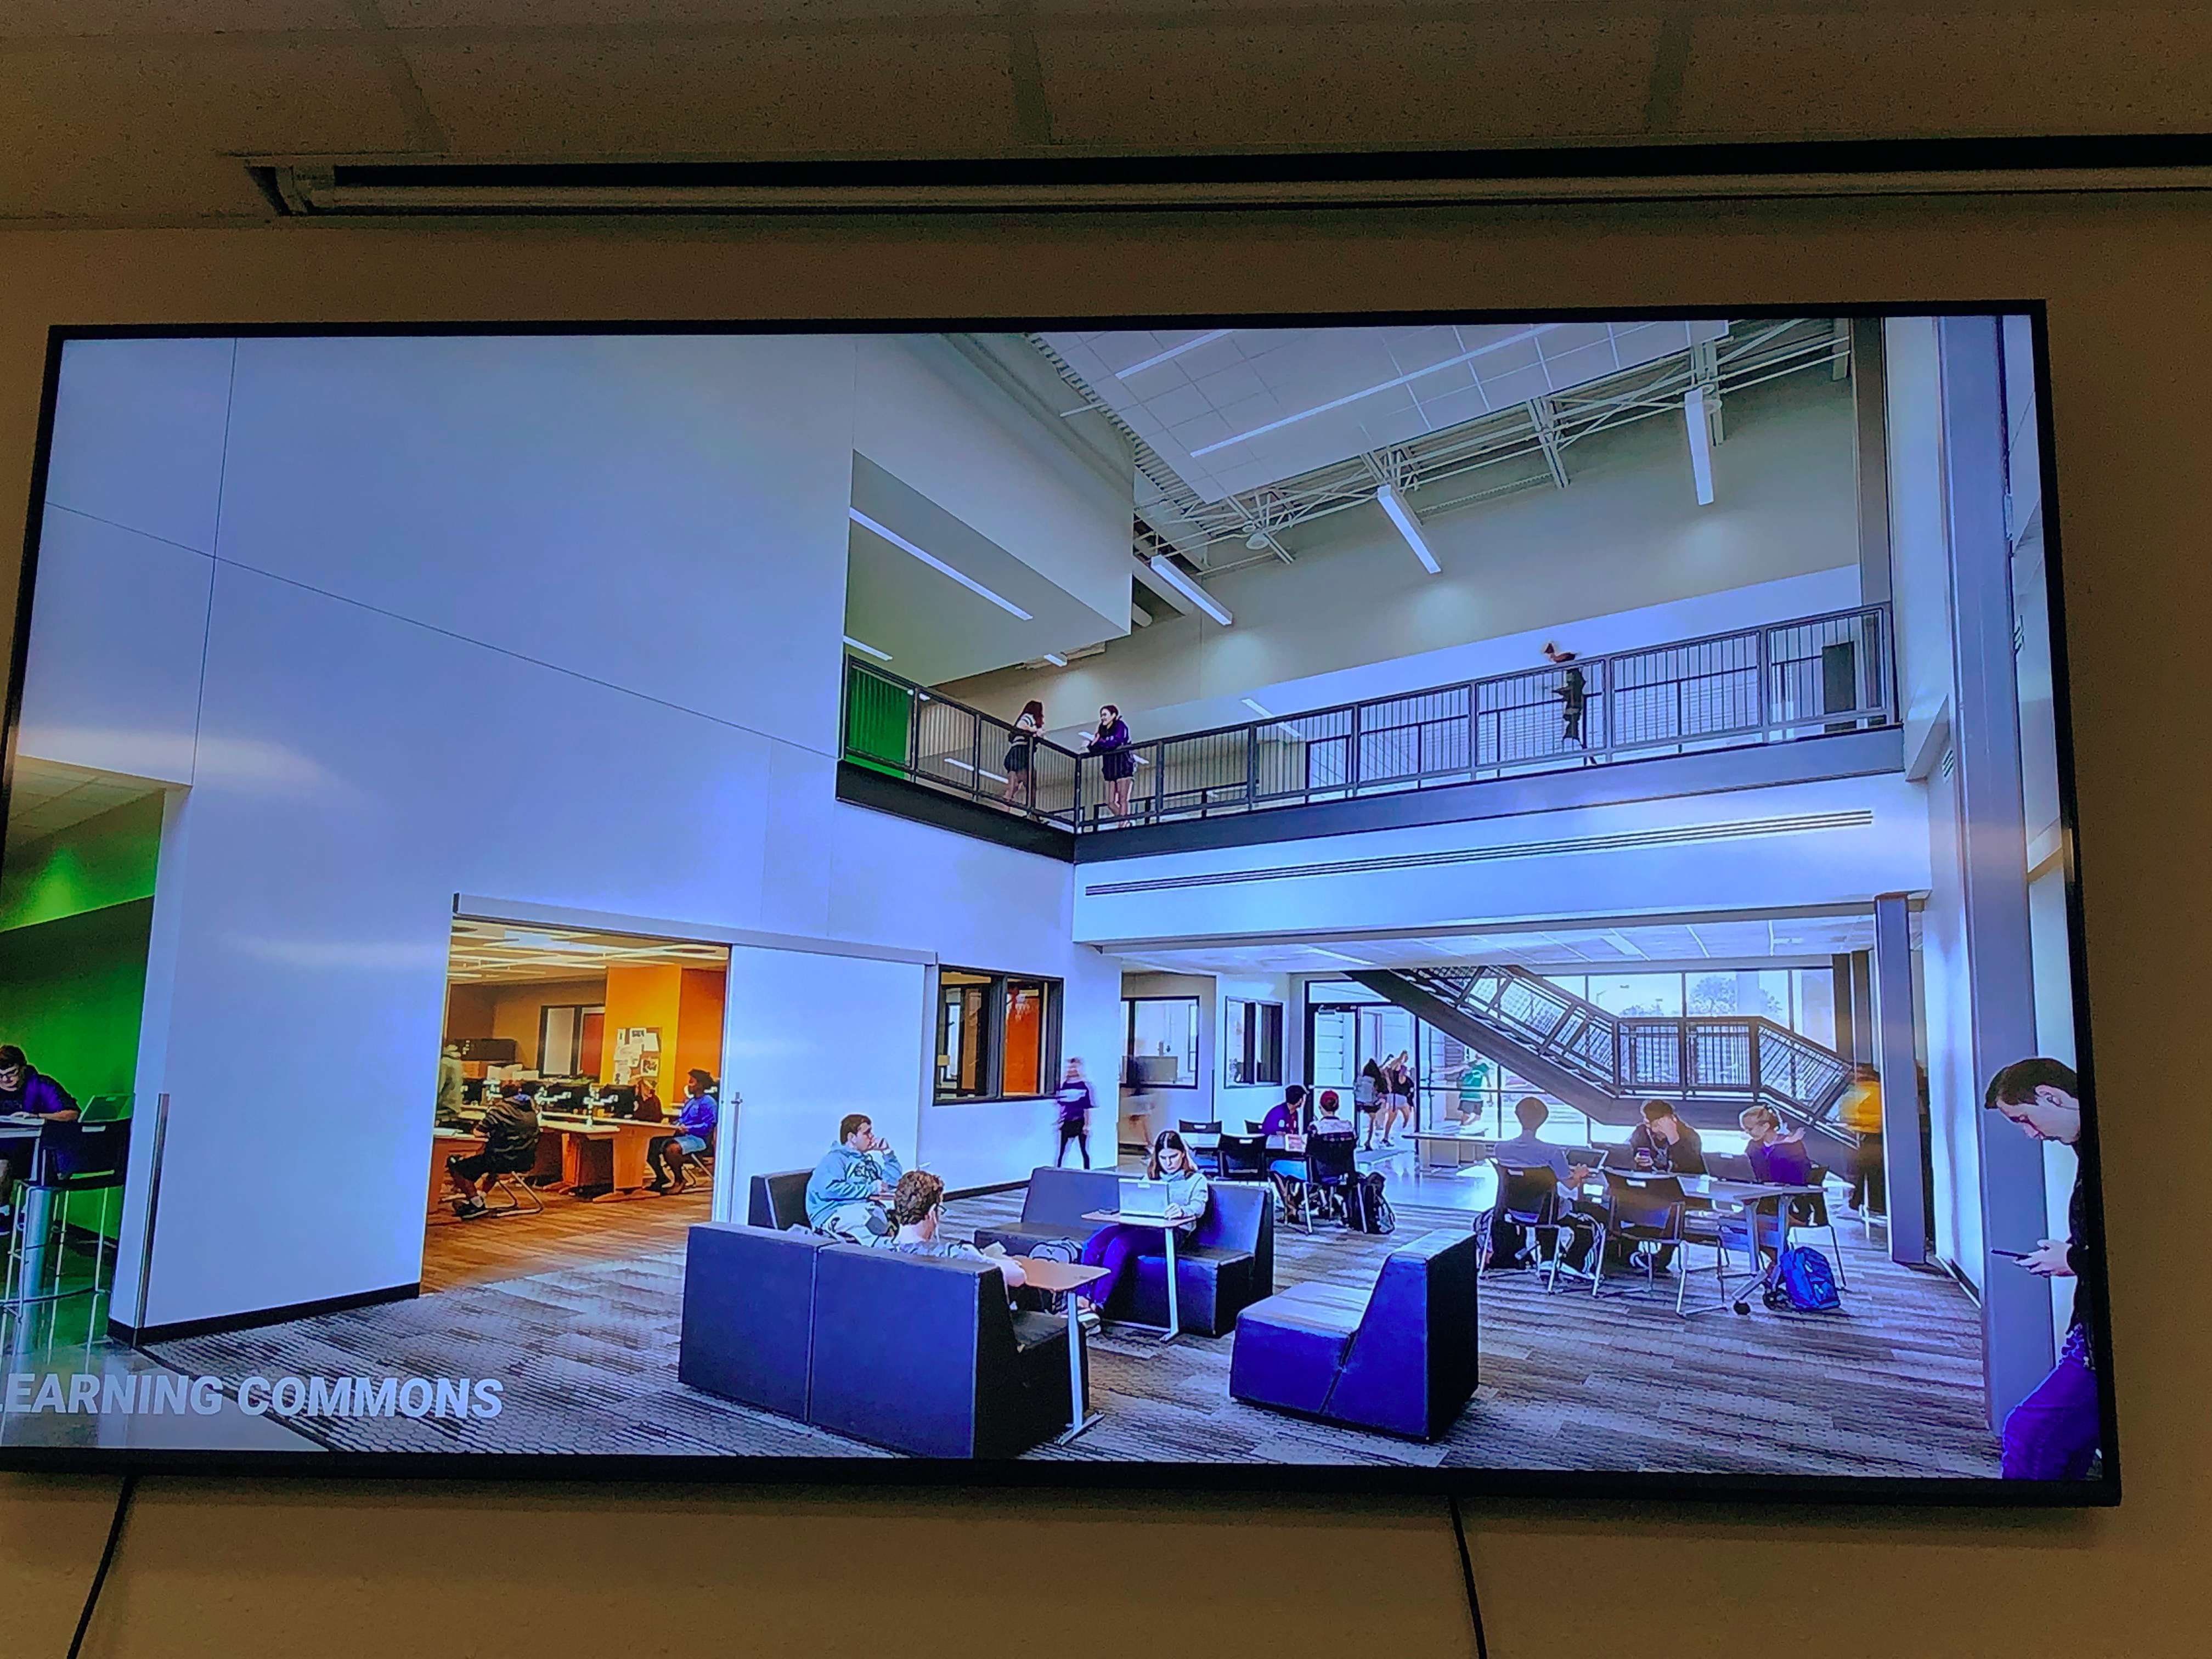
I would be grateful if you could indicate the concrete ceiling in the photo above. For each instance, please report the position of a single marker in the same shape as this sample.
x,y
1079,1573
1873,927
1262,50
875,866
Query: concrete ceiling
x,y
138,111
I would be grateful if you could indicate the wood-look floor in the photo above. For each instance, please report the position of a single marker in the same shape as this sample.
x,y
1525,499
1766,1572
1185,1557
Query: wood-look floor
x,y
571,1233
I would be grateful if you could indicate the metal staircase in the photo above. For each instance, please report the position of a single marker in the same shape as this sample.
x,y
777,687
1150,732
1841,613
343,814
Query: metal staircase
x,y
1708,1067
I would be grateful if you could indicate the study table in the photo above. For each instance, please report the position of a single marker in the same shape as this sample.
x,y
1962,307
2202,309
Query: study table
x,y
1167,1225
1066,1278
1755,1198
19,1144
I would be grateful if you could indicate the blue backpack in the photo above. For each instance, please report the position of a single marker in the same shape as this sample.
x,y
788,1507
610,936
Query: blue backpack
x,y
1803,1281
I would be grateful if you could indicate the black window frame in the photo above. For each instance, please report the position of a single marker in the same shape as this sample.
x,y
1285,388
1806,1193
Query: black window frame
x,y
994,1036
1267,1076
1197,1037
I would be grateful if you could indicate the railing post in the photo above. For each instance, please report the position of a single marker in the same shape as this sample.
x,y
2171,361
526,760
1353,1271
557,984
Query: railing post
x,y
1351,756
1251,766
1076,788
975,755
1766,699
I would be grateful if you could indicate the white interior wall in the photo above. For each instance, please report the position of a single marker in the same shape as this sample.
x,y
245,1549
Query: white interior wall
x,y
1733,850
979,905
791,1059
1232,1102
930,417
438,562
1786,506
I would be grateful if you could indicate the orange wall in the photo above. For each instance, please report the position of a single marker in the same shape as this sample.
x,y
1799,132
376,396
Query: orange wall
x,y
699,1024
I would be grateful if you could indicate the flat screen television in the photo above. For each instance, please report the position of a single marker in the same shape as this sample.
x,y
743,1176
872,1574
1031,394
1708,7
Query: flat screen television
x,y
1477,903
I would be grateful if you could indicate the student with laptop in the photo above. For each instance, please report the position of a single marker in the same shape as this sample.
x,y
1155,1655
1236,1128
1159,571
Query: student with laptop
x,y
1172,1190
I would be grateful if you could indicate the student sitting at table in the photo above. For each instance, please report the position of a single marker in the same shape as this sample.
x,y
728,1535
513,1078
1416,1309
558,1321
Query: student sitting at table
x,y
1775,1156
917,1209
510,1136
845,1194
1571,1164
1663,1142
26,1091
1115,1248
1287,1116
695,1132
1326,1119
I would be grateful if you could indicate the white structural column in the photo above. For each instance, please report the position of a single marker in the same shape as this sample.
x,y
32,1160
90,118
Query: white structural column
x,y
1992,848
1903,1146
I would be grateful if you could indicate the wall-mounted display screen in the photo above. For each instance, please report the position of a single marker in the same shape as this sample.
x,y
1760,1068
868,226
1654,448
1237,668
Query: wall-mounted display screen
x,y
1482,903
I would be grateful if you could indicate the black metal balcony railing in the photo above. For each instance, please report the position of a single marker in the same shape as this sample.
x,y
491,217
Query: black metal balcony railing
x,y
1728,1056
895,725
1806,677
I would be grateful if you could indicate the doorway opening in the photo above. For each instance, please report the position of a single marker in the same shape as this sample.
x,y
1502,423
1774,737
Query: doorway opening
x,y
578,1103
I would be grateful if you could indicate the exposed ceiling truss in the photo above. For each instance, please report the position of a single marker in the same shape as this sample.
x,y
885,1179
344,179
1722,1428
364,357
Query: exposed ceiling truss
x,y
1244,526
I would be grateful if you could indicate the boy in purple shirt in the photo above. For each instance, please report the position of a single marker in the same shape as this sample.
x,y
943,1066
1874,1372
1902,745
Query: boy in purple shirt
x,y
27,1091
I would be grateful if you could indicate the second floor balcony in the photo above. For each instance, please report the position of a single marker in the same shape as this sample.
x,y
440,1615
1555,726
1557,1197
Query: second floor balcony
x,y
1782,681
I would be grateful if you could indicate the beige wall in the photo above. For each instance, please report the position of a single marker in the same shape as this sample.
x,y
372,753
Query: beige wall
x,y
226,1567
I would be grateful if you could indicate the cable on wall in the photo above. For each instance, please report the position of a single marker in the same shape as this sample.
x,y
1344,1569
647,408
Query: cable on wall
x,y
107,1559
1466,1573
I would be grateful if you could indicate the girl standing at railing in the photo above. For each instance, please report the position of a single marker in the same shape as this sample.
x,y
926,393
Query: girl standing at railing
x,y
1021,752
1120,761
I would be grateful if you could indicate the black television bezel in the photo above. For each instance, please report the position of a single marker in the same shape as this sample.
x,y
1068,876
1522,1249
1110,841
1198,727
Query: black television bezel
x,y
2101,1490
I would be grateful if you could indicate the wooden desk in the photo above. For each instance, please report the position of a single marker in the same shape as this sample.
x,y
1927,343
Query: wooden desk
x,y
1068,1277
445,1143
605,1152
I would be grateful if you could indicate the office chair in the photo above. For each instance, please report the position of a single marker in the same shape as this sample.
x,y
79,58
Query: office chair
x,y
1643,1210
1330,1164
1528,1196
521,1198
1240,1157
1202,1138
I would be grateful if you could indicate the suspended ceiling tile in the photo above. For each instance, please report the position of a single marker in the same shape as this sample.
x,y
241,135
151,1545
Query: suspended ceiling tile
x,y
640,16
560,94
1999,71
20,18
1123,82
136,125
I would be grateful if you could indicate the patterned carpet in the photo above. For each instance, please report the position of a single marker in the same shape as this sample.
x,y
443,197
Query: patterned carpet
x,y
1890,1386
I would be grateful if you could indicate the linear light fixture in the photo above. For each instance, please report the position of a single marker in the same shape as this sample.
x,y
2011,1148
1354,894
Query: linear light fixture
x,y
1256,708
937,564
1138,617
862,645
995,777
1165,569
1701,443
1056,660
1173,352
1369,392
1388,498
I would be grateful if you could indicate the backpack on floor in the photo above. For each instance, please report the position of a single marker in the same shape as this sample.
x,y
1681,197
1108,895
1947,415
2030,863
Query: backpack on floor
x,y
1365,1209
1803,1281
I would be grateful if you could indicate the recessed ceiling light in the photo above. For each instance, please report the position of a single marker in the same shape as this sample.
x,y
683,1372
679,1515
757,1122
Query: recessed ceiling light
x,y
937,564
862,645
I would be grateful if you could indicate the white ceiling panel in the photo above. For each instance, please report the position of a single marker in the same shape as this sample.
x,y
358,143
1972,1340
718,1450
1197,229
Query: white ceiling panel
x,y
1234,410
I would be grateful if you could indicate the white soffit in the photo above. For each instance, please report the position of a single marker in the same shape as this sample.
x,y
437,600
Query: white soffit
x,y
1234,410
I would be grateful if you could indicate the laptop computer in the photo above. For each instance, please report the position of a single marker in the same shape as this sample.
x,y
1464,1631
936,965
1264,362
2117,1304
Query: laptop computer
x,y
1145,1198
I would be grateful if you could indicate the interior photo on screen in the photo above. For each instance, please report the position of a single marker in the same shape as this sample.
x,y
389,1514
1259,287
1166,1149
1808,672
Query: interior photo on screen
x,y
1451,900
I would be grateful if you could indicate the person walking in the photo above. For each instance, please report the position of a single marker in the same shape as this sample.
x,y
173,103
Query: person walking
x,y
1021,756
1075,1103
1573,693
1859,1112
1369,1095
1119,761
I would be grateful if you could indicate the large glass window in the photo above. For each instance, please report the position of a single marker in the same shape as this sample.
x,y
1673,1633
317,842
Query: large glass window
x,y
1253,1044
998,1036
1162,1042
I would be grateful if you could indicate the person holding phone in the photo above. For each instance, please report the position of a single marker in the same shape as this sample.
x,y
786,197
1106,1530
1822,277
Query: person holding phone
x,y
2054,1433
1021,752
1119,763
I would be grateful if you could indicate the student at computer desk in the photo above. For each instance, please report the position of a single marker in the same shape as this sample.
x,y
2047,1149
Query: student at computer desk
x,y
1115,1246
